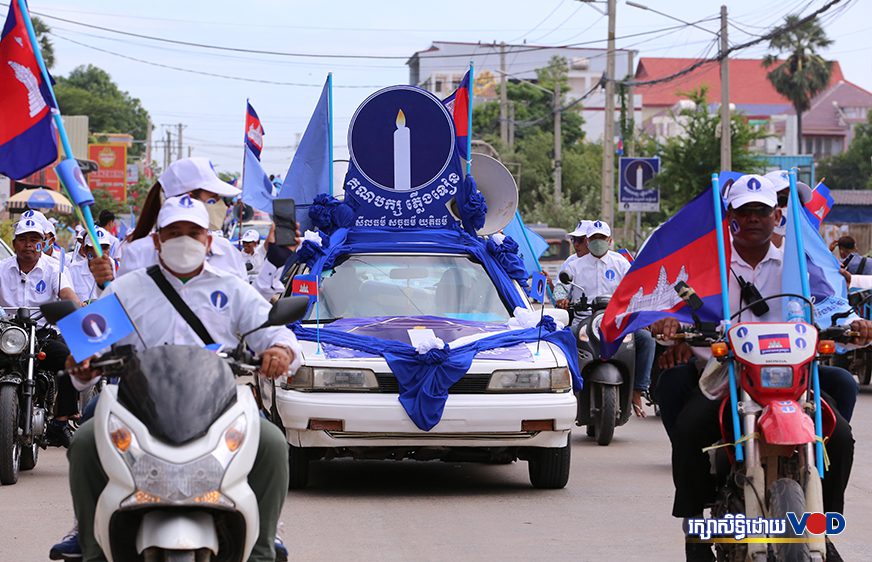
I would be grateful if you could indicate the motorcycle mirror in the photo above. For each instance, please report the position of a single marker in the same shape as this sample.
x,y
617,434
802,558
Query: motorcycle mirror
x,y
285,311
54,311
249,266
840,315
565,277
688,295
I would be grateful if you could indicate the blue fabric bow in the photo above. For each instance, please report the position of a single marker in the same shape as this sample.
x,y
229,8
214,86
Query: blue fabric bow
x,y
424,379
471,205
507,256
329,213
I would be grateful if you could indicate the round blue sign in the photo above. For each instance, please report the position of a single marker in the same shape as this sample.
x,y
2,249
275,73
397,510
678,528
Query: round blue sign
x,y
801,343
94,326
40,287
747,347
401,138
610,274
801,328
219,300
742,332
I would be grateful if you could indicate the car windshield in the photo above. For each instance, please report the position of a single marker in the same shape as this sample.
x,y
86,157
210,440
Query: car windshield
x,y
450,286
5,251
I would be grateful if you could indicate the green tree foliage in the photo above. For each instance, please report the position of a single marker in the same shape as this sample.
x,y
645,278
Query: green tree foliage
x,y
89,90
41,29
804,73
688,160
531,158
853,168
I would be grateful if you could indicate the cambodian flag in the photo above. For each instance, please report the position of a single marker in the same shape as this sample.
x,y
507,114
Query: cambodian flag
x,y
253,131
627,255
27,136
820,205
684,248
458,105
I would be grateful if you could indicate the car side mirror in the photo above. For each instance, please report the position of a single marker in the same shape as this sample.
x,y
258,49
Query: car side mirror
x,y
565,277
54,311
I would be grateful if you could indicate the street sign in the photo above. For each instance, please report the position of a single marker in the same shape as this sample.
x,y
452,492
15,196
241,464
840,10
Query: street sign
x,y
635,173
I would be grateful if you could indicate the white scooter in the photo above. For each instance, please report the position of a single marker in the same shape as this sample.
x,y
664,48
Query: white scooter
x,y
177,438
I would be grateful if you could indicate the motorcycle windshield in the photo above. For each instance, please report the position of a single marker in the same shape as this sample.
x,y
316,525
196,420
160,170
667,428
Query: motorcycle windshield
x,y
177,391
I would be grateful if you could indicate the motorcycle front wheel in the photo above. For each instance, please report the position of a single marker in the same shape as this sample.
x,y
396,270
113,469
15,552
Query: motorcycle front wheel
x,y
607,413
786,495
10,445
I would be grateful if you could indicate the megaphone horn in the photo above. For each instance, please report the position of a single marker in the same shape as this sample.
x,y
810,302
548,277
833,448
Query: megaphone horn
x,y
500,192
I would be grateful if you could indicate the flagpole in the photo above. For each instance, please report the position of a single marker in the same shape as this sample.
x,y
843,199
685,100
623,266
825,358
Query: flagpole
x,y
330,128
84,210
471,87
240,208
795,217
725,302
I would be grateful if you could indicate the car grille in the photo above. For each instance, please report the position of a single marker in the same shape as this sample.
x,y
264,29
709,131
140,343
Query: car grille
x,y
471,383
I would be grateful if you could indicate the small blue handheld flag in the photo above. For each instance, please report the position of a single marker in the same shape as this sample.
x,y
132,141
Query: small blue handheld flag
x,y
537,287
95,327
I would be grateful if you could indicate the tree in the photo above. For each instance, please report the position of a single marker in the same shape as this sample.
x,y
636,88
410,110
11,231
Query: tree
x,y
804,73
853,168
42,30
531,158
89,90
688,160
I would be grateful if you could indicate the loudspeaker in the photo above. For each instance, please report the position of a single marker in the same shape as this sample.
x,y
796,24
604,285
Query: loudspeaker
x,y
499,189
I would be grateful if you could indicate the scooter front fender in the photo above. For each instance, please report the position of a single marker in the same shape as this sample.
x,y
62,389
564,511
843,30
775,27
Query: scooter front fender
x,y
604,373
177,531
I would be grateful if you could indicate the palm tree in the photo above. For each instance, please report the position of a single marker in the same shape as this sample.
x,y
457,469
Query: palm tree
x,y
804,73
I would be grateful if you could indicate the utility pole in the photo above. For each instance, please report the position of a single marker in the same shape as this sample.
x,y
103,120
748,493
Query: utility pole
x,y
558,143
167,149
726,150
608,185
511,125
504,99
179,151
148,147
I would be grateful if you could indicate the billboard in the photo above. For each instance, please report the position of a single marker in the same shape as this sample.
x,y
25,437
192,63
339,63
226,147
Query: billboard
x,y
111,174
634,194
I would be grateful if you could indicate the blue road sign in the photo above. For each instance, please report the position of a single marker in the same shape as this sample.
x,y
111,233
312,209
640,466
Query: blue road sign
x,y
635,173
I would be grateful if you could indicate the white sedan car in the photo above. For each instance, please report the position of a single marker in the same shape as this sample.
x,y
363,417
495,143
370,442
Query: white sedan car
x,y
512,403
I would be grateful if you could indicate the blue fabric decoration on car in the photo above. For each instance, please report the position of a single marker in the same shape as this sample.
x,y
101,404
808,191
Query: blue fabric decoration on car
x,y
309,252
507,256
329,213
424,379
471,206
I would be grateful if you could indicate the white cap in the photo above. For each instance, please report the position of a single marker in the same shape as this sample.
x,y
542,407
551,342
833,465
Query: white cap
x,y
49,227
581,229
251,236
102,237
751,188
38,217
184,208
599,227
29,225
188,174
781,180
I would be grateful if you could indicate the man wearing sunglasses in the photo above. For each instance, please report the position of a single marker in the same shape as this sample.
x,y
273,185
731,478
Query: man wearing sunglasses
x,y
691,416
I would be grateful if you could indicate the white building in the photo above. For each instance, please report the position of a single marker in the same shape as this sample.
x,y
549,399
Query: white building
x,y
441,67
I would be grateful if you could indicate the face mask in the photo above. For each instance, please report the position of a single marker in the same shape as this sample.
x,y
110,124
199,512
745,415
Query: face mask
x,y
183,254
598,247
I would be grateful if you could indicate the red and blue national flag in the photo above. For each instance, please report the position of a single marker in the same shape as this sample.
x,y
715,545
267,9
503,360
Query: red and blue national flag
x,y
305,285
253,131
27,136
820,205
684,248
458,105
774,343
627,255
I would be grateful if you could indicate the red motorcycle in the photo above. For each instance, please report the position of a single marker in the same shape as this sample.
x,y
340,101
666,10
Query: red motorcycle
x,y
774,364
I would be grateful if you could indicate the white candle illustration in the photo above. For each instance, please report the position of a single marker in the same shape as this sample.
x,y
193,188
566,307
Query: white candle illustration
x,y
640,178
402,155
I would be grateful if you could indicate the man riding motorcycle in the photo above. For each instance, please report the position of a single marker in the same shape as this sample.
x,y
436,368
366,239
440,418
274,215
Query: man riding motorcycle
x,y
227,306
692,419
29,279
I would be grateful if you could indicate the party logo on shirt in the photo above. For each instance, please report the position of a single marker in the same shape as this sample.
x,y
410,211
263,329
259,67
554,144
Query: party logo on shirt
x,y
40,287
610,274
219,300
95,327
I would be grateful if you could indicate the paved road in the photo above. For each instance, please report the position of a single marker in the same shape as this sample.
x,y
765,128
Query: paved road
x,y
615,508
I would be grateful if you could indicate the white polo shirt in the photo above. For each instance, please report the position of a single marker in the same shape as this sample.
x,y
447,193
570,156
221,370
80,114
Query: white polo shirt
x,y
141,253
41,285
766,276
256,260
599,277
83,281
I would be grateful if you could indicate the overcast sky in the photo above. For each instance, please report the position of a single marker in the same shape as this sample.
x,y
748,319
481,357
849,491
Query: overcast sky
x,y
213,108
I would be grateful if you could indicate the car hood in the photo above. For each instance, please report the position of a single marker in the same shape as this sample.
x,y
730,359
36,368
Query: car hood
x,y
454,332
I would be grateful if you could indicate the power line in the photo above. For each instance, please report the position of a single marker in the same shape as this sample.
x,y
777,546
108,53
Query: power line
x,y
768,36
535,27
204,73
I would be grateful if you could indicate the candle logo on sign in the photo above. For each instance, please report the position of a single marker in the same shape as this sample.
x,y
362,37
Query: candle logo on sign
x,y
403,167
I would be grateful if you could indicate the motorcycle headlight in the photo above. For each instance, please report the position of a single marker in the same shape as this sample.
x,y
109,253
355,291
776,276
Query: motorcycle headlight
x,y
776,377
13,340
322,378
530,380
159,481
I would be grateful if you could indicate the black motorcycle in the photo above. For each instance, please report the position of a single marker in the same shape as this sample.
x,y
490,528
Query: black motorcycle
x,y
27,394
606,401
857,361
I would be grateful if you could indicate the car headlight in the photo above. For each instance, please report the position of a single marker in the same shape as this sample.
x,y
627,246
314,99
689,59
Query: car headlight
x,y
335,379
776,377
13,340
160,482
528,380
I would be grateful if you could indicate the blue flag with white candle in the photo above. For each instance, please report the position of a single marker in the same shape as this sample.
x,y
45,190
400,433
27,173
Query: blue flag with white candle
x,y
95,327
